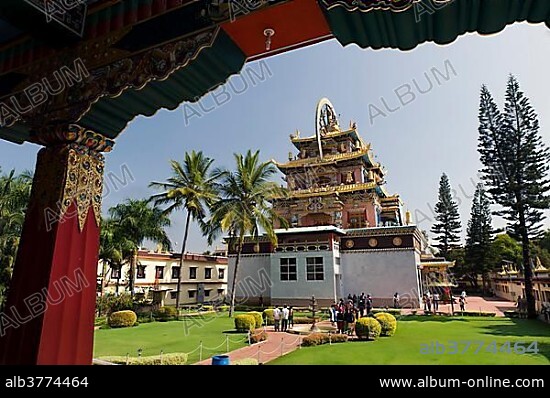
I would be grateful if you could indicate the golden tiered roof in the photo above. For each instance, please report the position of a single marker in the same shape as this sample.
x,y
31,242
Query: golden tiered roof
x,y
329,190
326,159
332,134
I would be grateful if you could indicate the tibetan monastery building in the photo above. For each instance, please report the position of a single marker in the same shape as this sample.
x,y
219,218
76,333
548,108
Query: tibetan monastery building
x,y
346,233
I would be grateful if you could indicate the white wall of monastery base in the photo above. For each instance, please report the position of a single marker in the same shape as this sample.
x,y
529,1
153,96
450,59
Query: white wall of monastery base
x,y
381,274
253,278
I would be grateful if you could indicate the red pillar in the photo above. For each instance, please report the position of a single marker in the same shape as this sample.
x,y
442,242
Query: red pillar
x,y
49,314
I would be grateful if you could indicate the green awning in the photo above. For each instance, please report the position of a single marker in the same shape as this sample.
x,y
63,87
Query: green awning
x,y
377,24
212,67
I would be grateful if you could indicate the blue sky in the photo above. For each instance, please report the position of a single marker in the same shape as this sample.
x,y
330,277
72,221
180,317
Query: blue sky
x,y
434,133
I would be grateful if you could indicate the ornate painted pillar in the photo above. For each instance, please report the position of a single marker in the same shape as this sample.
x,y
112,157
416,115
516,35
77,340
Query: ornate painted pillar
x,y
49,315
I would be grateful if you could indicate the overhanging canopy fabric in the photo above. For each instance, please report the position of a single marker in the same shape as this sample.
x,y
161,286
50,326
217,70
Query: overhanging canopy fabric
x,y
401,24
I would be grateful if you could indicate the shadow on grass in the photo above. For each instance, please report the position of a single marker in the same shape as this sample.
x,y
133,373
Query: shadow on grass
x,y
525,328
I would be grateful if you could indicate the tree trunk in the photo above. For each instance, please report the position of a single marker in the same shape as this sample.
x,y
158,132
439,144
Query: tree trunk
x,y
527,271
132,273
183,245
234,283
102,287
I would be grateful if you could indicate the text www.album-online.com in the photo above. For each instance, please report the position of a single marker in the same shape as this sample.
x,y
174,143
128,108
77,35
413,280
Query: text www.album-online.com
x,y
482,382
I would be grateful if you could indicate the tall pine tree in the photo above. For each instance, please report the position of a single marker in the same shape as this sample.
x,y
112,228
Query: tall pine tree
x,y
479,236
447,226
515,169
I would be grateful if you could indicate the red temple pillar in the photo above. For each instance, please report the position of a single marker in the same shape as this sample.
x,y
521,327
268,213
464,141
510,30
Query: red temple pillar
x,y
49,314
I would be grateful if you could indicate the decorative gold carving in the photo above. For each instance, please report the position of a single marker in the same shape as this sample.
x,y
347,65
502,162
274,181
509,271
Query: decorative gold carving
x,y
83,184
397,241
350,243
373,242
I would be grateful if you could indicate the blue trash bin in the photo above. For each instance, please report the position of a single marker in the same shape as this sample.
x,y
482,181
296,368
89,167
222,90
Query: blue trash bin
x,y
220,360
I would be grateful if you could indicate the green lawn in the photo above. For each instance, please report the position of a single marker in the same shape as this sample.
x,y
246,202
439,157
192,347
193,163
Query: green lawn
x,y
412,332
177,336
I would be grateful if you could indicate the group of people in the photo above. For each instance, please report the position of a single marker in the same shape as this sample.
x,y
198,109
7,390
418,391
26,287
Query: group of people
x,y
345,313
431,301
283,318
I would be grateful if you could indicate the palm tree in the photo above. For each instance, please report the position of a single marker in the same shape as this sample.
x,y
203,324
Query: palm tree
x,y
14,196
193,188
114,248
244,207
135,221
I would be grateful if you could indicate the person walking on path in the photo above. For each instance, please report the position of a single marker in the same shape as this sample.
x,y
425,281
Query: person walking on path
x,y
284,317
276,318
436,301
290,317
396,300
362,303
369,304
462,303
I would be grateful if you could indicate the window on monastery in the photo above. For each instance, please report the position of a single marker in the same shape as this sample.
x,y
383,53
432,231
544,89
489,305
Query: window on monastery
x,y
192,272
208,273
140,274
221,273
115,273
314,269
175,272
191,293
288,269
207,293
173,295
357,220
159,272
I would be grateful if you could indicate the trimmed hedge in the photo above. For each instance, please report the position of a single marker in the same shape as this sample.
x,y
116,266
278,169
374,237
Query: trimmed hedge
x,y
245,361
122,319
167,359
475,313
207,308
368,328
304,320
268,316
388,323
165,314
392,311
511,314
314,339
244,322
259,320
258,335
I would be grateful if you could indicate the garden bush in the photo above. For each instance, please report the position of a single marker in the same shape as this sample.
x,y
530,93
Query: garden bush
x,y
268,316
164,314
223,308
258,335
122,319
305,320
244,322
368,328
392,311
388,323
259,320
245,361
207,308
511,314
167,359
314,339
474,313
110,303
146,318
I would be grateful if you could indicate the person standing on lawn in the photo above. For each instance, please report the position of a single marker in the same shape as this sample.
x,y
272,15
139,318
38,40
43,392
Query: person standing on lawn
x,y
276,318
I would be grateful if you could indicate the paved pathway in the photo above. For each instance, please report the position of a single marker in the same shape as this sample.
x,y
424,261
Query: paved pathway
x,y
276,345
484,304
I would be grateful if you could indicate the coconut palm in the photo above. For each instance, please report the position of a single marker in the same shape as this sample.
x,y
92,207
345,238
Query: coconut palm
x,y
192,188
244,207
14,196
133,222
